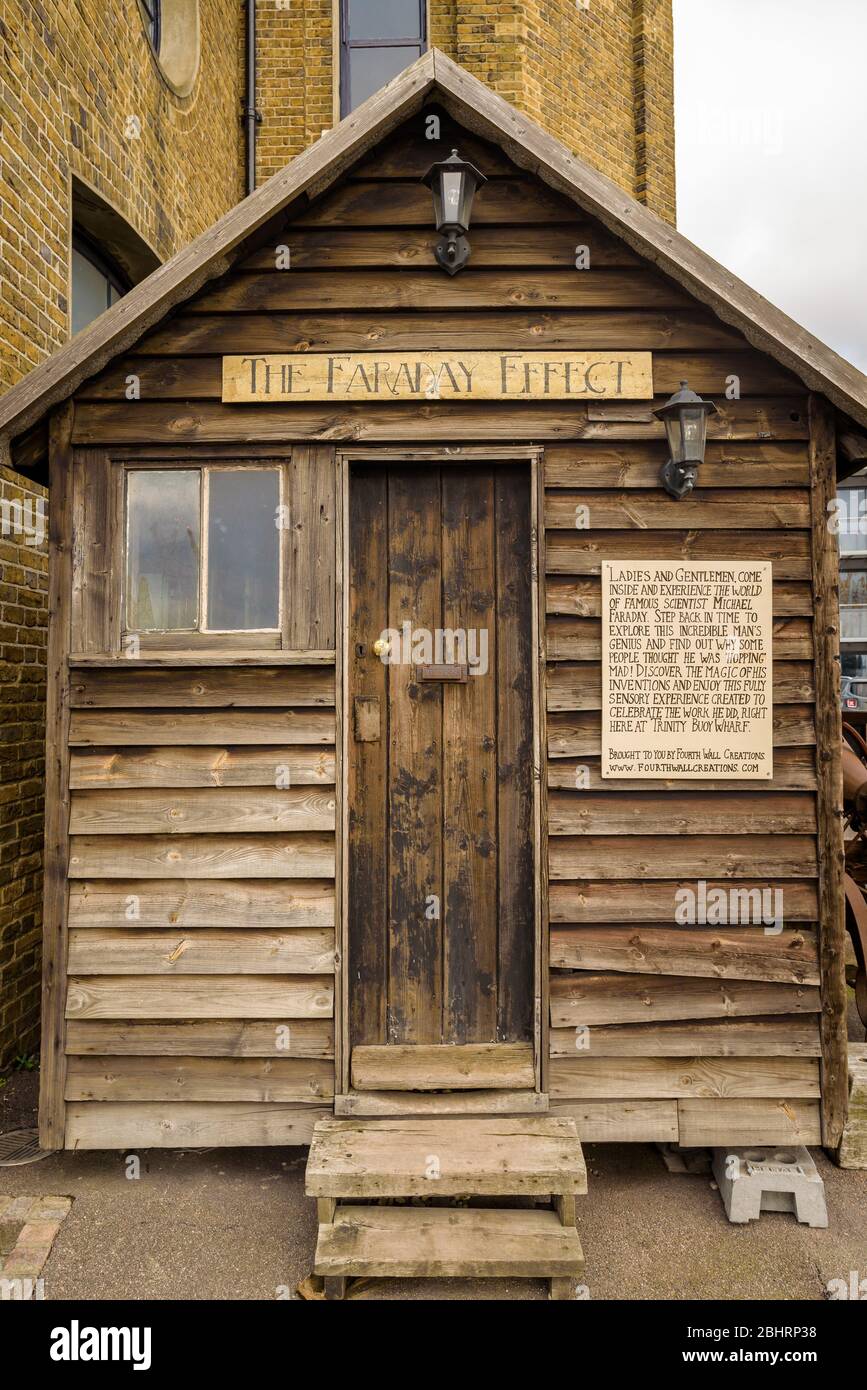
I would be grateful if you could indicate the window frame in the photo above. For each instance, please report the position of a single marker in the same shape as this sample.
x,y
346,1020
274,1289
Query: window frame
x,y
201,636
854,559
102,262
346,46
152,19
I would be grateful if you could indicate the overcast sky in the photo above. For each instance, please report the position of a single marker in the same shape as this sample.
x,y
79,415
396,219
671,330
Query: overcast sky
x,y
771,112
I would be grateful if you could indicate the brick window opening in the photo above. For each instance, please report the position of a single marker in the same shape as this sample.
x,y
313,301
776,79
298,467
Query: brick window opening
x,y
378,39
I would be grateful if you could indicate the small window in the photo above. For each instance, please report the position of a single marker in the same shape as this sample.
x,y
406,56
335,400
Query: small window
x,y
152,14
97,282
378,39
203,550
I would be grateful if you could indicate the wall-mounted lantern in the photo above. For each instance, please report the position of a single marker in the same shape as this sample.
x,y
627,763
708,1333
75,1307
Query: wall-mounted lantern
x,y
685,419
453,183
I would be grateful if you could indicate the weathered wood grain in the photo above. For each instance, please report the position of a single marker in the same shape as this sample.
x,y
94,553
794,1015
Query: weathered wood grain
x,y
131,687
467,1066
146,1079
661,1078
180,766
736,953
303,1037
202,856
201,810
188,905
585,999
189,1125
687,812
110,727
208,996
304,951
787,1035
707,1123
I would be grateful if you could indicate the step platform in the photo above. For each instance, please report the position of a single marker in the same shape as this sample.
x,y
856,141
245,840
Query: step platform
x,y
354,1164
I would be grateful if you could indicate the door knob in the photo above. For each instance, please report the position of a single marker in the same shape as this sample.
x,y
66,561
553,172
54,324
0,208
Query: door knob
x,y
380,646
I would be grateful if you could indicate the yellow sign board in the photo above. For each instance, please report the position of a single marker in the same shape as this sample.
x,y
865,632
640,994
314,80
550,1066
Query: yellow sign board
x,y
438,376
687,669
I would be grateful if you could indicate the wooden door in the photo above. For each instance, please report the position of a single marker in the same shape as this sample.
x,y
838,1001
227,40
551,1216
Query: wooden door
x,y
440,765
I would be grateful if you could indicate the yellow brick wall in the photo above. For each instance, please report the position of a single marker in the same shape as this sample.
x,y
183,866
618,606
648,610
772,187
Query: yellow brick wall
x,y
74,74
600,78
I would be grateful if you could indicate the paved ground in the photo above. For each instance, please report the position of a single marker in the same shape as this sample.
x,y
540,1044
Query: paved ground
x,y
234,1224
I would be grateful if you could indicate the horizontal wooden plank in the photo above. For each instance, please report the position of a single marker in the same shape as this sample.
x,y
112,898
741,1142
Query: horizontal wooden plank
x,y
362,203
711,1123
584,999
753,464
202,856
190,334
204,1125
211,422
621,1121
581,597
696,856
306,951
789,1035
582,552
579,686
794,770
205,996
181,766
580,639
213,729
732,509
469,1066
277,291
302,1037
152,810
173,650
573,734
661,1078
145,1079
344,248
684,812
465,1242
384,1104
648,901
523,1155
736,953
154,688
242,904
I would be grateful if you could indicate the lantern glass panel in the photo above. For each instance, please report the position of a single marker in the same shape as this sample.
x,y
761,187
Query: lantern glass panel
x,y
453,198
694,430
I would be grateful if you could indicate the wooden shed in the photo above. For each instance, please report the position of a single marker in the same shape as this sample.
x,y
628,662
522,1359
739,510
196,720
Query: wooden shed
x,y
305,858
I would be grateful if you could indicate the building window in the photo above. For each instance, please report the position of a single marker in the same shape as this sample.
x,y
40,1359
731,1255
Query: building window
x,y
203,550
152,16
96,282
852,535
378,39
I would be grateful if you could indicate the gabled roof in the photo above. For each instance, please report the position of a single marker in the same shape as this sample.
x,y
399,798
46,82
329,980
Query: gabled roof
x,y
480,110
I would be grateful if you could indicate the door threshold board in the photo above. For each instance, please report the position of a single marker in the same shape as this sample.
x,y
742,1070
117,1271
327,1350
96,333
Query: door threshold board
x,y
400,1103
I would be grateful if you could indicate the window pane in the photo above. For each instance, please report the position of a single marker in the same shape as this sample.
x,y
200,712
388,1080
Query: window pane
x,y
90,292
243,548
162,550
371,68
384,19
852,517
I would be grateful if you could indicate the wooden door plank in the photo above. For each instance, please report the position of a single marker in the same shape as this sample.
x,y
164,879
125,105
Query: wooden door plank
x,y
469,743
443,1067
415,801
367,973
515,829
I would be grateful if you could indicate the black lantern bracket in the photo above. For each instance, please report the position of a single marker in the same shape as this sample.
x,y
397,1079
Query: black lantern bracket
x,y
453,183
685,417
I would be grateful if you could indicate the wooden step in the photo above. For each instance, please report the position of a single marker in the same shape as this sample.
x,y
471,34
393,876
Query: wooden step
x,y
442,1242
507,1156
443,1067
406,1103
